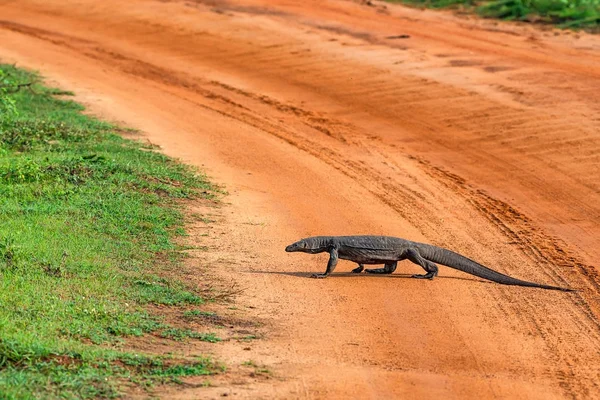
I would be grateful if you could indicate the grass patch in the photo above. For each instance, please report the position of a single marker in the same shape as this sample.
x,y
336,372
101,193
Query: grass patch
x,y
181,334
198,313
166,292
87,218
572,14
94,375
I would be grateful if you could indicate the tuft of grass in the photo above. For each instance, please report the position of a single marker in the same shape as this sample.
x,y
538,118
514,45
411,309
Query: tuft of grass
x,y
250,363
181,334
165,292
258,369
164,370
87,218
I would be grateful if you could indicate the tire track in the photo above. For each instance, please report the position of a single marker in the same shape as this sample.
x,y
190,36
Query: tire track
x,y
554,262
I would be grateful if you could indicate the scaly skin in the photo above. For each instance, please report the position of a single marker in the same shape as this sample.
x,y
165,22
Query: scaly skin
x,y
389,250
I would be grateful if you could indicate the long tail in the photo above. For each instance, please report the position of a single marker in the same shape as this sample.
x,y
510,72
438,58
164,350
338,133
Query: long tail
x,y
454,260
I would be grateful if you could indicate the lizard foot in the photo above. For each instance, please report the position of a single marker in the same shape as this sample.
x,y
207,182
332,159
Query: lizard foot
x,y
319,276
429,275
358,270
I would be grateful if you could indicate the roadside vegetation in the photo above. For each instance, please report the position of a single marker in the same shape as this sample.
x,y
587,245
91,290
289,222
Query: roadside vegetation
x,y
87,224
573,14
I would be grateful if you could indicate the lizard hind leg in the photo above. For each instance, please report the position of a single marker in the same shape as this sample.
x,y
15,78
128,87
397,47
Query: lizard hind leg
x,y
387,269
429,267
358,269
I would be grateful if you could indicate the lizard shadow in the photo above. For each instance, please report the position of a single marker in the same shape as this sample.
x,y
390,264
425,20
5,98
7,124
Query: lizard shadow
x,y
364,275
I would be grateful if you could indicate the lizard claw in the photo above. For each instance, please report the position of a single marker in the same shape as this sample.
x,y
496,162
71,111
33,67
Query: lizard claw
x,y
318,276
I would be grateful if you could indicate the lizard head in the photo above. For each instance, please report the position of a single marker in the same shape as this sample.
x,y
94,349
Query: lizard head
x,y
308,245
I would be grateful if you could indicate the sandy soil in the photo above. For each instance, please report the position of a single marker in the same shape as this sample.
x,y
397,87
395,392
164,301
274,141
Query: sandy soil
x,y
319,117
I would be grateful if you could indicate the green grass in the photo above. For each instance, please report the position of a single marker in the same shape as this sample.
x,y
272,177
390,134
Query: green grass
x,y
93,374
181,334
87,219
576,14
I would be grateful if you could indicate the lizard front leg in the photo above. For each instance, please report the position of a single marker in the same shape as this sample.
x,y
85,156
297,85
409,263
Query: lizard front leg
x,y
333,260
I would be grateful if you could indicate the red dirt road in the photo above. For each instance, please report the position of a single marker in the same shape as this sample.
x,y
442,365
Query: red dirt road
x,y
474,135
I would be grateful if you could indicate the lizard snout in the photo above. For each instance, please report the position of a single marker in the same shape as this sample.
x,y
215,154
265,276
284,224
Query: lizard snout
x,y
290,248
296,246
